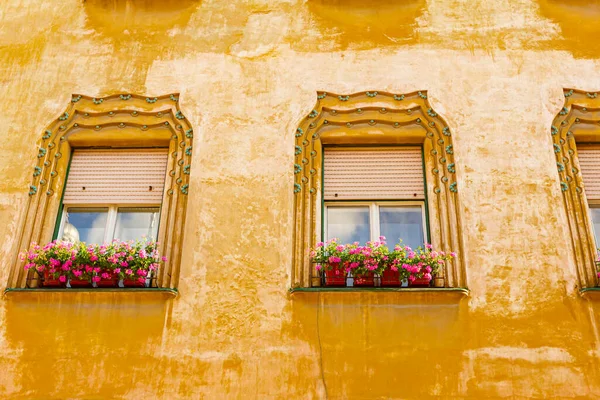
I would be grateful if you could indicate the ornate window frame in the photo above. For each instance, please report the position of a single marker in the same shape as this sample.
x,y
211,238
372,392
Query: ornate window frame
x,y
376,118
116,121
576,122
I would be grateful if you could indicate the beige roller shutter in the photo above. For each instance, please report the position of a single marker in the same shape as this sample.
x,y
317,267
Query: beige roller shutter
x,y
394,173
116,177
589,161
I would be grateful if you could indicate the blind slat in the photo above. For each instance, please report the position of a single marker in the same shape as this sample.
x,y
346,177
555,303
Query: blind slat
x,y
374,174
109,177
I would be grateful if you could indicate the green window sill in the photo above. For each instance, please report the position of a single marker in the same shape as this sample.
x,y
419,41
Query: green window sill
x,y
166,292
591,293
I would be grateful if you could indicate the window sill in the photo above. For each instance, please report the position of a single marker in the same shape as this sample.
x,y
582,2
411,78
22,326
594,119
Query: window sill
x,y
591,293
154,292
413,297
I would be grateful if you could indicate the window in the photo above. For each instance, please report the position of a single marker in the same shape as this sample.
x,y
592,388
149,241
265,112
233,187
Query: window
x,y
360,167
589,162
125,189
112,167
375,192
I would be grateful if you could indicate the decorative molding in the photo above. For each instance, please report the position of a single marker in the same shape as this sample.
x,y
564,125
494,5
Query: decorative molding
x,y
120,120
577,121
399,119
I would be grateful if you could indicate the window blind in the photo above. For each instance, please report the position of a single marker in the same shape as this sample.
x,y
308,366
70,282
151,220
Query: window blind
x,y
589,162
387,174
116,176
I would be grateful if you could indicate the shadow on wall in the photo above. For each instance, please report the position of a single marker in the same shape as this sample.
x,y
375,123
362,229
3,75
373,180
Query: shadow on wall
x,y
140,32
97,344
578,22
359,24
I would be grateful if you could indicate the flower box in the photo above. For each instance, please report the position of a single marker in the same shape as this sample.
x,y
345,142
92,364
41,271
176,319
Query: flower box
x,y
133,283
50,281
80,283
335,277
419,282
367,279
85,265
391,278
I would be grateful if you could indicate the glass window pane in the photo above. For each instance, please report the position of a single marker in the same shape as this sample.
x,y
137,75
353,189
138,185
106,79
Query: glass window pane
x,y
404,223
595,211
85,225
135,223
348,224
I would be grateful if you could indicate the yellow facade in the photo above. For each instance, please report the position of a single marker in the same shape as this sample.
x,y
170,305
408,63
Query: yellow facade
x,y
248,72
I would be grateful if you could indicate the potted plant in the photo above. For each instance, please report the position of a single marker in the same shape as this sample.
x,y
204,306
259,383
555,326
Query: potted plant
x,y
80,265
423,264
53,262
367,261
394,274
329,258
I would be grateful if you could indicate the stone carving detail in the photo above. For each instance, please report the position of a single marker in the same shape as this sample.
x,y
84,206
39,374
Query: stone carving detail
x,y
577,121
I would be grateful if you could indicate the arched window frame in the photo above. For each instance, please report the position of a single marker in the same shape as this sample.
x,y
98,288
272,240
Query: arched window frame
x,y
116,121
376,118
577,122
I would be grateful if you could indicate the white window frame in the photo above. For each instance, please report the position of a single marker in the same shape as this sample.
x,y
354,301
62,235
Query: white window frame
x,y
111,220
374,206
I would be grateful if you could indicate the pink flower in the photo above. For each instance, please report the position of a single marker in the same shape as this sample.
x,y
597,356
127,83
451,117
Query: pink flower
x,y
394,268
88,269
129,272
382,238
340,248
117,270
320,244
142,272
427,276
411,255
428,269
93,257
62,278
124,264
105,275
429,246
164,259
96,279
54,263
335,260
96,269
453,254
143,254
142,280
153,267
411,278
130,258
77,273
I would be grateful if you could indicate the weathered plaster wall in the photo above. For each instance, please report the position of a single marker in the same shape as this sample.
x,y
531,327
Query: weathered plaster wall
x,y
248,71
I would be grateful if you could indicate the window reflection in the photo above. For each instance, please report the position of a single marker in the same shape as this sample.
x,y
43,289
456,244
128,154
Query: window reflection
x,y
134,223
348,224
89,224
404,223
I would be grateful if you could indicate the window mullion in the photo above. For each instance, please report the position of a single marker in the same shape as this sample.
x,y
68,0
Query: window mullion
x,y
110,224
375,222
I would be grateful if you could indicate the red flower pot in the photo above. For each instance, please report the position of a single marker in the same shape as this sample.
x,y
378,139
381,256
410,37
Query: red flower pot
x,y
335,277
113,281
77,283
133,283
50,281
419,282
367,279
391,278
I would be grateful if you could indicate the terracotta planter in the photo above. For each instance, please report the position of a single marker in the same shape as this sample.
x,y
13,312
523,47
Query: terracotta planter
x,y
133,283
419,282
391,278
113,281
80,283
335,277
49,281
367,279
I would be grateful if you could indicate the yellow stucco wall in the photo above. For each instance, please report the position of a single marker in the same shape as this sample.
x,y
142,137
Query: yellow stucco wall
x,y
248,71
